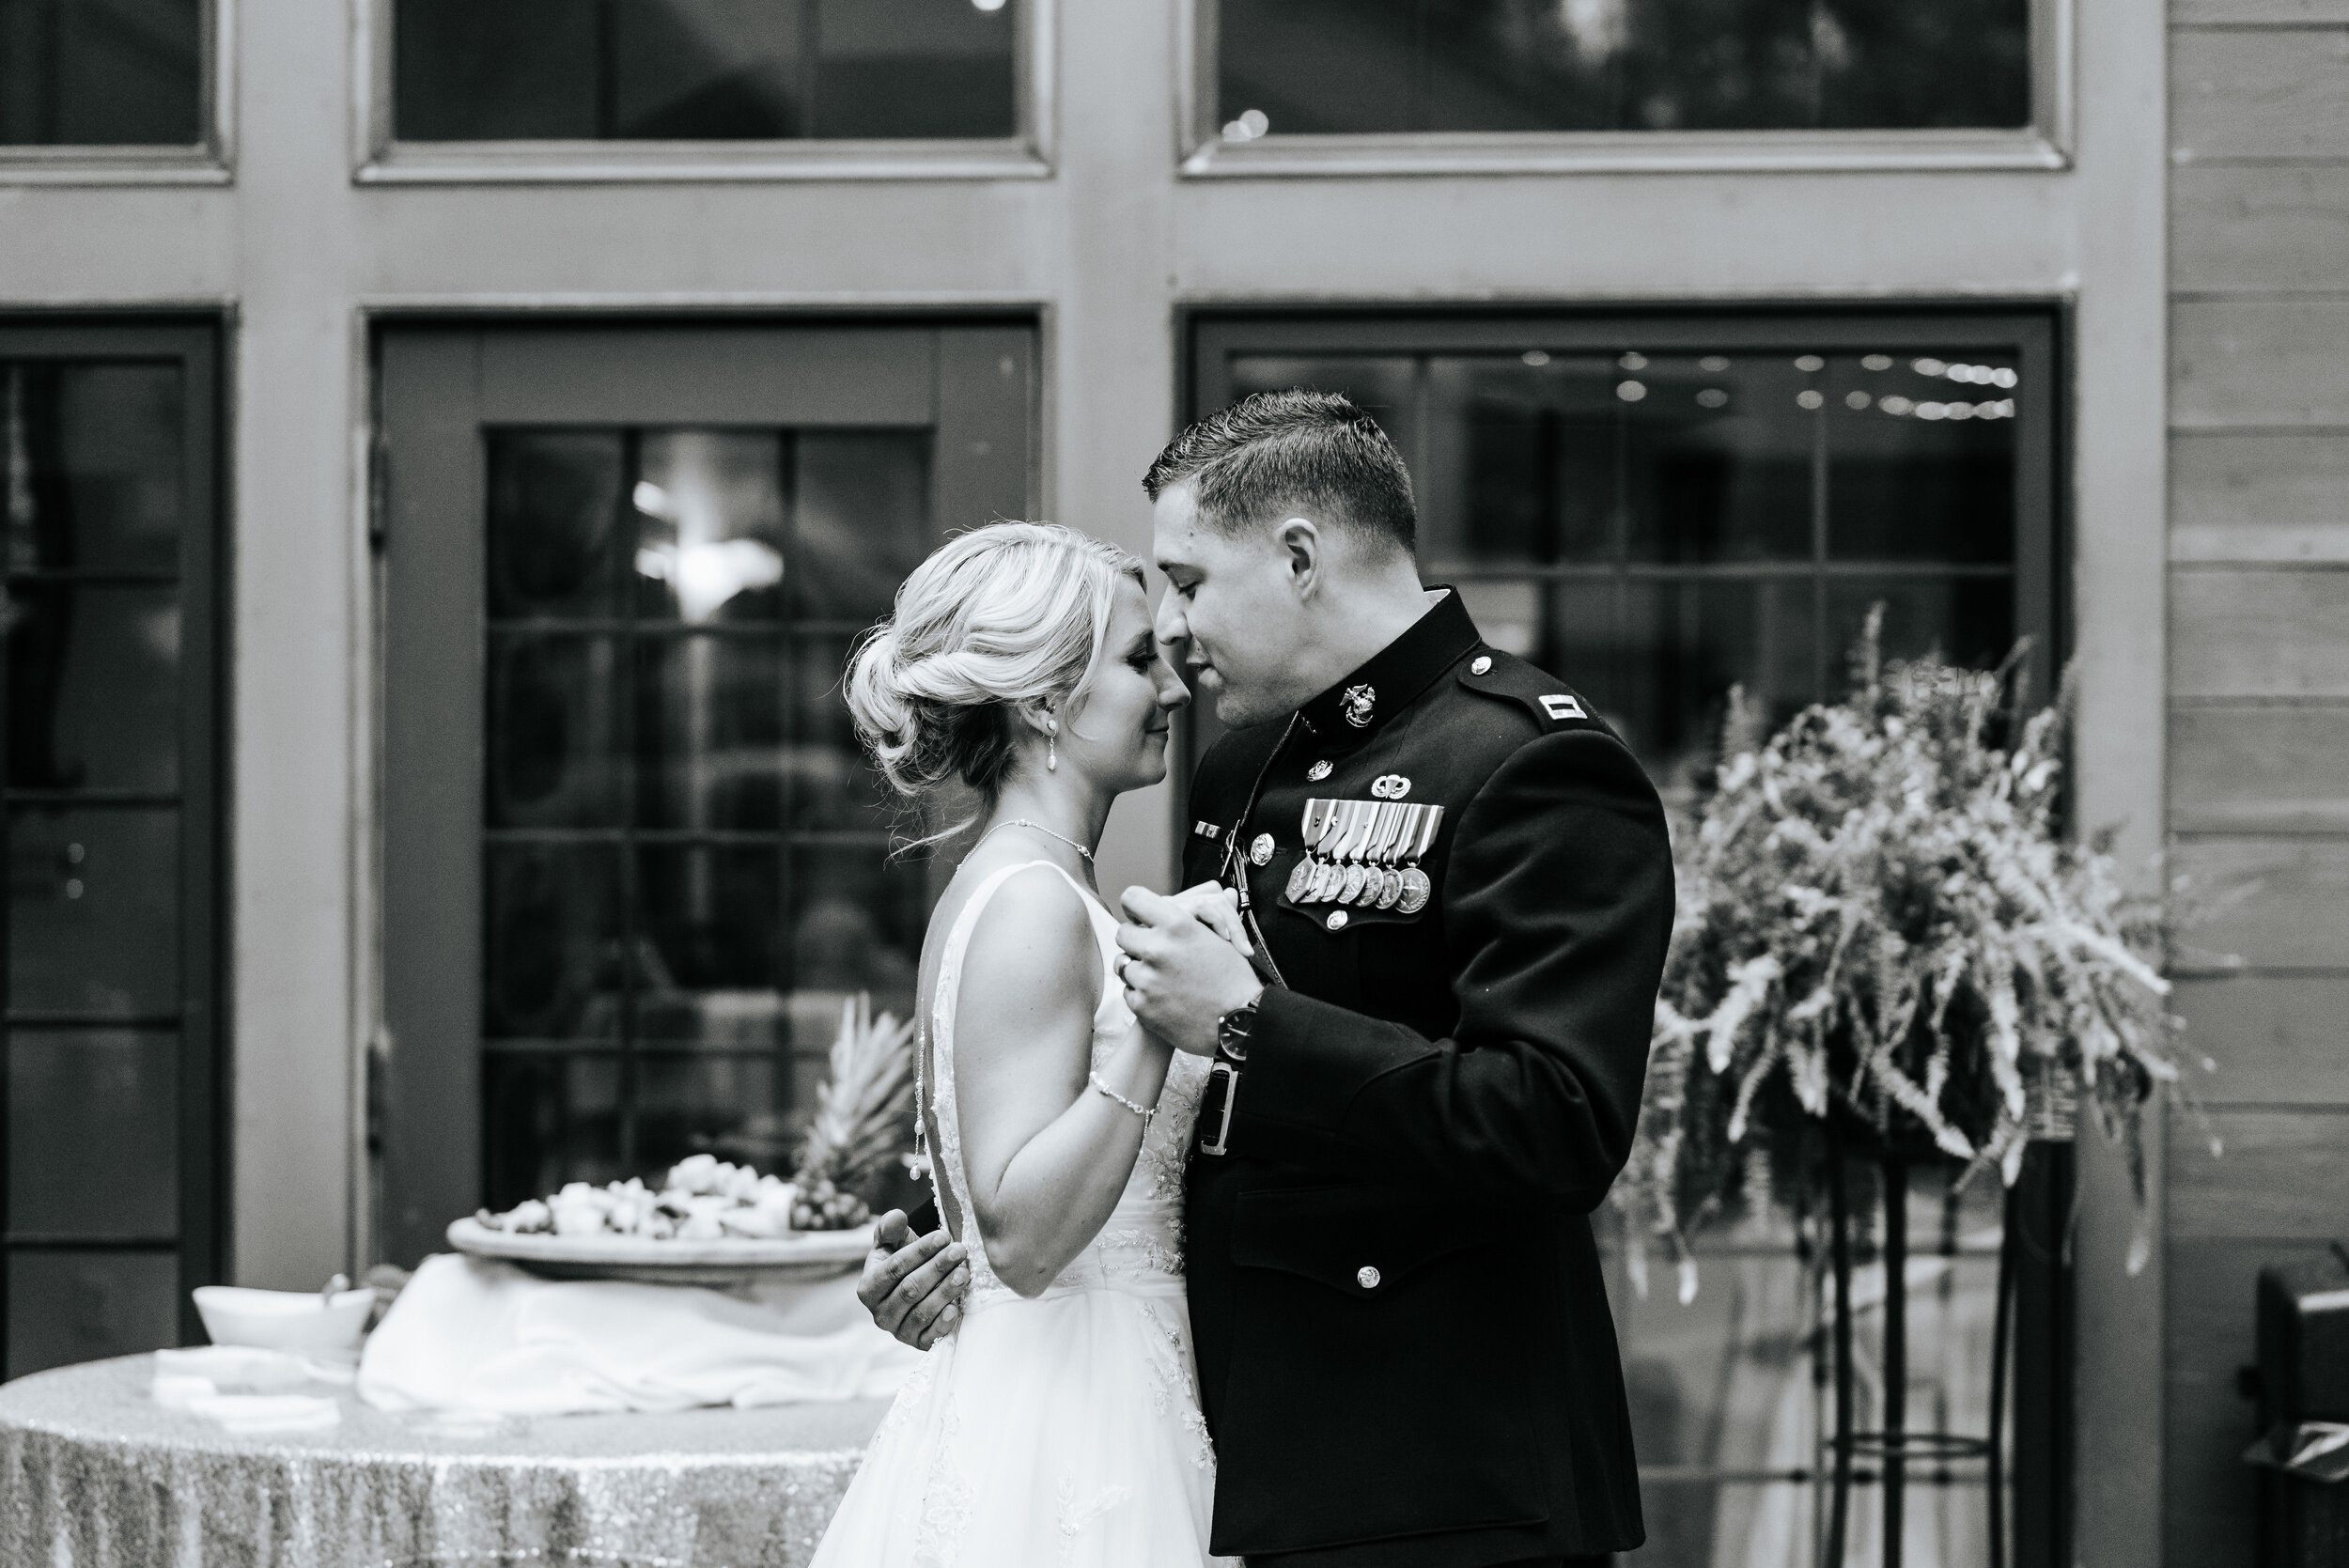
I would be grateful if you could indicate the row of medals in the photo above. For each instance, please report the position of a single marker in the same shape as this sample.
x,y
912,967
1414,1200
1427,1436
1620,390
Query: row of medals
x,y
1366,853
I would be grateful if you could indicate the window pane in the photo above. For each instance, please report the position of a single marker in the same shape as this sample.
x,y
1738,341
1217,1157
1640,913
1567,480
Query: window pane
x,y
553,956
712,918
703,69
709,733
100,73
834,787
710,528
74,1092
1921,466
94,463
553,751
1720,453
93,687
555,516
856,925
1968,620
688,1105
1523,459
546,1119
1353,67
73,1307
861,521
1679,649
94,911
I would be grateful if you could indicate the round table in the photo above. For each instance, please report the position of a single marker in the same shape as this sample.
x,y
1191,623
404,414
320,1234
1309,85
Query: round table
x,y
94,1474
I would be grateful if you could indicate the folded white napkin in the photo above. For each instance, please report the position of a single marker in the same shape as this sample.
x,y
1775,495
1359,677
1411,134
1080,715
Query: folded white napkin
x,y
475,1334
244,1388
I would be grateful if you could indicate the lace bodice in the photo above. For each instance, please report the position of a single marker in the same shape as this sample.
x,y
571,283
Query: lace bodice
x,y
1143,1240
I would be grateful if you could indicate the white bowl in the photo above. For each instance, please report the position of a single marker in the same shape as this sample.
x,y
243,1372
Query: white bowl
x,y
302,1321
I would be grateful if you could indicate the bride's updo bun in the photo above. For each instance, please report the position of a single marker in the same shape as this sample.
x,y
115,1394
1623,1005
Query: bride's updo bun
x,y
1007,614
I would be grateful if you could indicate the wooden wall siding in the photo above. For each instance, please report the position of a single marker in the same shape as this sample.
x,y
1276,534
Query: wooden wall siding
x,y
2208,1499
2252,226
2257,749
2279,1178
2257,14
2272,904
2260,92
2268,770
2281,1039
2259,632
2273,496
2259,361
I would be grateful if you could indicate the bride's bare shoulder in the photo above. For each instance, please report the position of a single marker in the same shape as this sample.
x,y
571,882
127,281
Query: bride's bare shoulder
x,y
1032,950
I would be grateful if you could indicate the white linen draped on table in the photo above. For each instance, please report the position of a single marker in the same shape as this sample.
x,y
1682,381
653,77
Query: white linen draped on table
x,y
476,1335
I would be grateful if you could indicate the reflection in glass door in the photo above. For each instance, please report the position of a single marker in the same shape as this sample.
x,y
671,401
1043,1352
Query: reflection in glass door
x,y
677,856
109,1100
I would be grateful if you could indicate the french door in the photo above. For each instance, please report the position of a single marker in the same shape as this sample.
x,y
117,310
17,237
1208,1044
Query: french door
x,y
1660,506
633,861
110,675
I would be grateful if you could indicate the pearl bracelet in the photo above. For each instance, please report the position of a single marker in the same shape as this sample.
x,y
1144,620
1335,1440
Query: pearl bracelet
x,y
1145,1112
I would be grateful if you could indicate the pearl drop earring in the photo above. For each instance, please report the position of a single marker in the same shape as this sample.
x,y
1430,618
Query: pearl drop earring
x,y
1051,745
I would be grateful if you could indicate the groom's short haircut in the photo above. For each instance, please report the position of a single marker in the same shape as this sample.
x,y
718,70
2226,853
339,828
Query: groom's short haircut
x,y
1275,453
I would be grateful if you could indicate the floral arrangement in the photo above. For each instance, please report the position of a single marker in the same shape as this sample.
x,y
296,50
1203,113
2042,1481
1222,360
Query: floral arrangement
x,y
1877,923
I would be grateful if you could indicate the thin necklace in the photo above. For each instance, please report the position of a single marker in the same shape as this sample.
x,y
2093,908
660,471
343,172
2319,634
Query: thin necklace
x,y
1023,822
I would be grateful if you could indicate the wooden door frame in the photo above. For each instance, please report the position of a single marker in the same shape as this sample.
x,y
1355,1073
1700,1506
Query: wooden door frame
x,y
428,661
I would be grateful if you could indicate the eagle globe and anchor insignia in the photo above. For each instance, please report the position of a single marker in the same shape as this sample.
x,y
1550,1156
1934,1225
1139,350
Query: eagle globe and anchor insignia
x,y
1357,704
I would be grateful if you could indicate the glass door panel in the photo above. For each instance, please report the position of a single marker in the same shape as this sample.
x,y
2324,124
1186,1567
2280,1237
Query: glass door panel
x,y
680,859
1658,508
106,700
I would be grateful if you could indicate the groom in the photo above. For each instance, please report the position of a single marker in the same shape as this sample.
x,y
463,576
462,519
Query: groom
x,y
1458,888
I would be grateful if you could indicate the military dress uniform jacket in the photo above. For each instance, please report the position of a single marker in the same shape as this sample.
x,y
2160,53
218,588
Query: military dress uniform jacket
x,y
1405,1349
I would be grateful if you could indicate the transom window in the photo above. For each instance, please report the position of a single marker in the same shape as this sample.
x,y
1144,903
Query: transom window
x,y
704,70
102,73
1342,67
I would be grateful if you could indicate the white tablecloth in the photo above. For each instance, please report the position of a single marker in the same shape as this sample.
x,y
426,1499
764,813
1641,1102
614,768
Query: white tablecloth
x,y
475,1335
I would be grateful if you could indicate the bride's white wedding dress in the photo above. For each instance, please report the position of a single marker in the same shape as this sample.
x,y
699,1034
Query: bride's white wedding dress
x,y
1065,1428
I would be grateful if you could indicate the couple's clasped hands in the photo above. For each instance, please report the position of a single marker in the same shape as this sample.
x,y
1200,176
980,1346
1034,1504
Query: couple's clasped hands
x,y
1184,963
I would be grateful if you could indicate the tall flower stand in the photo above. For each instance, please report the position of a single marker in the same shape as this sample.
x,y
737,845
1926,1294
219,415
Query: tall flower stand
x,y
1890,1448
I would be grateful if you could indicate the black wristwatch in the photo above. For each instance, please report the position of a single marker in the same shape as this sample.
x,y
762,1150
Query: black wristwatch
x,y
1233,1028
1231,1049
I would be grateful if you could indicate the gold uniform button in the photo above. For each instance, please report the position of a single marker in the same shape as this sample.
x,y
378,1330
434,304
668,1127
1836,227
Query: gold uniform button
x,y
1366,1277
1261,850
1317,772
1481,665
1336,920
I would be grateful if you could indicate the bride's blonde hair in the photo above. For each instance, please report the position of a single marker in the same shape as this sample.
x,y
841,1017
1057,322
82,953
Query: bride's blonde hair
x,y
996,619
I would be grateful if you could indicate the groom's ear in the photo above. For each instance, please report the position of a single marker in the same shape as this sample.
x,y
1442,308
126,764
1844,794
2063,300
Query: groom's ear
x,y
1301,543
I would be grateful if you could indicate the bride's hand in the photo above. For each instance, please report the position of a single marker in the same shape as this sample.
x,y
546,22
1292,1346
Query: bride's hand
x,y
1217,908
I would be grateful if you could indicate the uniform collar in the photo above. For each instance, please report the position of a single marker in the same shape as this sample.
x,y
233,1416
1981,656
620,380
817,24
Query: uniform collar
x,y
1387,682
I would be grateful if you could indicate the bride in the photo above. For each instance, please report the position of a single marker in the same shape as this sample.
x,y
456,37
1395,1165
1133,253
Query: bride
x,y
1059,1421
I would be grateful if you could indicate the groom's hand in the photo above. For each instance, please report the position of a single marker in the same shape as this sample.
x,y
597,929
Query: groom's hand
x,y
913,1287
1181,976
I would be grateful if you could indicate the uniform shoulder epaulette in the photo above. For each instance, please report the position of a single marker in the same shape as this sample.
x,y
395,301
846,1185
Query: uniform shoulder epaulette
x,y
1550,702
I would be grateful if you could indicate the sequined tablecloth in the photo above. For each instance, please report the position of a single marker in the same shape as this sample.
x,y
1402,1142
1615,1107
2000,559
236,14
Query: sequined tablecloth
x,y
94,1474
